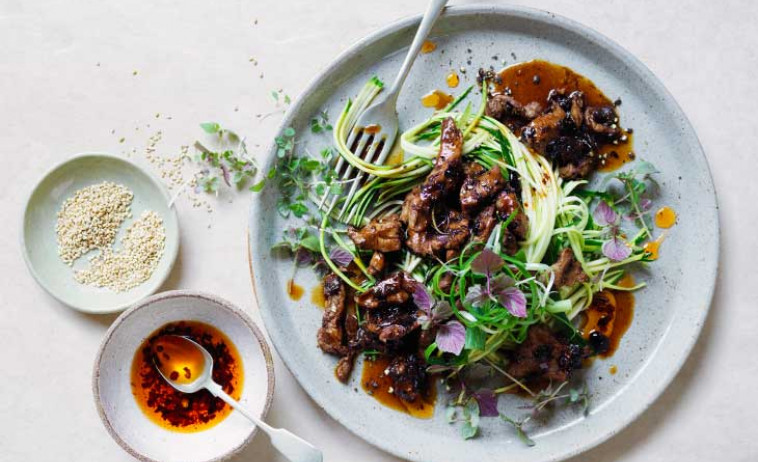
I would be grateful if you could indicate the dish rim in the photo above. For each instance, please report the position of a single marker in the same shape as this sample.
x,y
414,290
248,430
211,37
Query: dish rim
x,y
153,179
552,20
184,293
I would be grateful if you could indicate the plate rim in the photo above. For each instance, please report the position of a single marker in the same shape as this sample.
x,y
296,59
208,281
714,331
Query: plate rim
x,y
552,20
184,293
25,251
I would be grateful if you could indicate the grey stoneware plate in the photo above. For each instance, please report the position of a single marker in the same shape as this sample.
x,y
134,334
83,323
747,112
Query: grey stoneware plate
x,y
669,312
38,238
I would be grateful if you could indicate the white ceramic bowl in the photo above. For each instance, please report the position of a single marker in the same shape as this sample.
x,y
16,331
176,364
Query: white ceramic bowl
x,y
118,409
39,244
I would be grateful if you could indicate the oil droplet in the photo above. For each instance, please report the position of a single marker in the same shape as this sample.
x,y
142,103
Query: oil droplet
x,y
613,369
436,99
428,46
372,129
653,247
294,291
665,217
452,79
317,296
396,157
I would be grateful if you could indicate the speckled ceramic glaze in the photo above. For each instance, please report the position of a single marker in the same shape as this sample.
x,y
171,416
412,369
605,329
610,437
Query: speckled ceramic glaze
x,y
118,409
38,238
669,312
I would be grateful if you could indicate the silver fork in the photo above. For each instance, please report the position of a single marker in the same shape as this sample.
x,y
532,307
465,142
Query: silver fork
x,y
374,133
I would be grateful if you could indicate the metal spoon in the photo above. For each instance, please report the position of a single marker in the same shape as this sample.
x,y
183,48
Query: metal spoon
x,y
187,380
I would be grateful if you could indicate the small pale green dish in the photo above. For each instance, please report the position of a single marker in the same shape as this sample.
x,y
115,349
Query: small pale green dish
x,y
39,243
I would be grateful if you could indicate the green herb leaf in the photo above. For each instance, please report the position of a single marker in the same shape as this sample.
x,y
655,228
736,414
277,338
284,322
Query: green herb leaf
x,y
210,127
468,431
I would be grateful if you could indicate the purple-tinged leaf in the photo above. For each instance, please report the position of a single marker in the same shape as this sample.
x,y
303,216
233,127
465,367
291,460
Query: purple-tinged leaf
x,y
476,296
514,301
487,262
225,173
645,204
501,282
340,256
604,215
487,400
303,257
442,312
451,337
616,249
424,321
422,298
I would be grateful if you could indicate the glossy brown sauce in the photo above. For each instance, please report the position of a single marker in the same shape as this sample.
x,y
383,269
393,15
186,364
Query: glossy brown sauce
x,y
170,408
533,80
613,369
452,79
317,296
613,156
428,46
615,324
378,385
654,247
372,129
294,290
437,99
665,217
396,157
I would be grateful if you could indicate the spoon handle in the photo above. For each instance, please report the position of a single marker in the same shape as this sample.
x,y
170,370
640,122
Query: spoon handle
x,y
291,446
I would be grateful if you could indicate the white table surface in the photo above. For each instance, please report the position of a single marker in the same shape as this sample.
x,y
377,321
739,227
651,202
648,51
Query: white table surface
x,y
66,81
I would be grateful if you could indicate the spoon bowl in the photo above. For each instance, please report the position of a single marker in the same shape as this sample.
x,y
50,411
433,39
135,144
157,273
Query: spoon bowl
x,y
183,363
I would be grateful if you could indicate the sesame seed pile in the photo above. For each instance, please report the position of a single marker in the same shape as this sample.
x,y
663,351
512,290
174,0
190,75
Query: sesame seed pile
x,y
141,250
91,218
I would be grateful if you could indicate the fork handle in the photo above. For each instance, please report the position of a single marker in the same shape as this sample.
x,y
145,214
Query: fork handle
x,y
433,12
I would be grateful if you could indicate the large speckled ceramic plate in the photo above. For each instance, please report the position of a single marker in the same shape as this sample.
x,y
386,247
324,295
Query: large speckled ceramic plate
x,y
669,312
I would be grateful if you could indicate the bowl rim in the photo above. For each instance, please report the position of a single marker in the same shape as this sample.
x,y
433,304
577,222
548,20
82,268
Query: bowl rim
x,y
175,235
184,293
574,26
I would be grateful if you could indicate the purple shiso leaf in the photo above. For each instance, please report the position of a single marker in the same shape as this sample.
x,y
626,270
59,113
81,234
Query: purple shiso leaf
x,y
422,299
476,296
501,282
225,173
442,311
616,249
451,337
604,215
487,400
340,256
303,257
487,262
645,204
514,301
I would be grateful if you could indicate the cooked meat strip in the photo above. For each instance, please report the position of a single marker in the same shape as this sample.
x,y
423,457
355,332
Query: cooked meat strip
x,y
544,355
331,334
568,271
573,155
480,186
451,233
394,290
544,128
415,212
573,104
446,282
345,367
408,375
383,234
506,204
377,264
390,324
504,108
484,224
602,120
446,173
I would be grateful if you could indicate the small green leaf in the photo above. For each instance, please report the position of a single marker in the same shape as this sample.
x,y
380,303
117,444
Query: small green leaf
x,y
258,187
289,132
311,243
468,431
450,414
573,395
475,338
210,127
518,426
